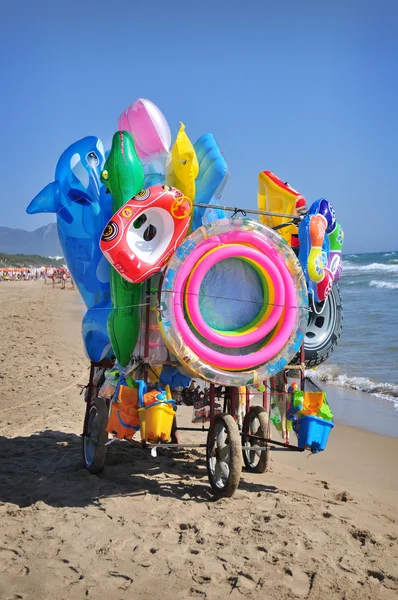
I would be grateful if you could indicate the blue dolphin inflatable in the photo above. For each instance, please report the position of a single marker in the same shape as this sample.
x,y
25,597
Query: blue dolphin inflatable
x,y
211,179
83,208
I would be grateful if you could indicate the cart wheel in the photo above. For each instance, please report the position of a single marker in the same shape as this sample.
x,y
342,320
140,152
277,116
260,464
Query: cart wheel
x,y
224,455
256,423
96,436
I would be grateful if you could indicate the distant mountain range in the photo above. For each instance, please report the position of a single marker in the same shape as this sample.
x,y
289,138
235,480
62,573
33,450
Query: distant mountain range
x,y
43,241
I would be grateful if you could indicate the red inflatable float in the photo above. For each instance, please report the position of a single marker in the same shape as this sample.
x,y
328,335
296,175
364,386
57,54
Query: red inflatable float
x,y
144,233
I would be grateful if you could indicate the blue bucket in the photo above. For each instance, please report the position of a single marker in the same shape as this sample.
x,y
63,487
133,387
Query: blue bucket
x,y
313,433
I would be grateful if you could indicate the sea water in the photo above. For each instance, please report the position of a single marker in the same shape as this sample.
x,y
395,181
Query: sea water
x,y
366,357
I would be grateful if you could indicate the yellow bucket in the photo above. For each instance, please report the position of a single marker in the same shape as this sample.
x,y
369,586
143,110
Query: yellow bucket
x,y
156,422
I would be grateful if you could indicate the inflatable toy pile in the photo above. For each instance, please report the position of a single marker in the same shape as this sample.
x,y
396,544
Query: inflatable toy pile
x,y
227,297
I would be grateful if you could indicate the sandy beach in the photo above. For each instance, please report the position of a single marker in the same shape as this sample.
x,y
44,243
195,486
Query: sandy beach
x,y
323,526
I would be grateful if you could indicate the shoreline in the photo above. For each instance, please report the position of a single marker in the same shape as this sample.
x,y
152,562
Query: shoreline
x,y
362,411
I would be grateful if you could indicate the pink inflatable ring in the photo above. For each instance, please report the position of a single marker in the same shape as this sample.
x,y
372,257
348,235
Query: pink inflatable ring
x,y
194,342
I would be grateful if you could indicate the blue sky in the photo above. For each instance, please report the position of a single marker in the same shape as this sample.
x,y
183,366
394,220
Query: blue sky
x,y
304,89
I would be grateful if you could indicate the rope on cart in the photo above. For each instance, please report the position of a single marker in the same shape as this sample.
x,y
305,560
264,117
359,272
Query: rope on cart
x,y
172,291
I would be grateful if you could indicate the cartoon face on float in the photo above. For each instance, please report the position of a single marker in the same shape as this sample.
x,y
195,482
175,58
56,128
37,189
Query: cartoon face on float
x,y
144,233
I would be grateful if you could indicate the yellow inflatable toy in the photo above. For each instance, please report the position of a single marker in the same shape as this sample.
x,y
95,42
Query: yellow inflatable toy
x,y
184,165
279,197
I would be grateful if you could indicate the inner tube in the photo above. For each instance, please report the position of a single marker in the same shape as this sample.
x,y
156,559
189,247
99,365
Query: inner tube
x,y
263,345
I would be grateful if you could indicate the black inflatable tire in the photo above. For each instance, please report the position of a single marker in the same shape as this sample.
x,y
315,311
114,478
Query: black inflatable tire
x,y
324,330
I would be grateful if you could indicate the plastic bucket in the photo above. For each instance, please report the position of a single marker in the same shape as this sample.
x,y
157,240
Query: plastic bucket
x,y
313,433
156,421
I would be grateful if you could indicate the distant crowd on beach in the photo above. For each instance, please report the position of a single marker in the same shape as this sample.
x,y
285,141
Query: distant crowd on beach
x,y
17,274
59,275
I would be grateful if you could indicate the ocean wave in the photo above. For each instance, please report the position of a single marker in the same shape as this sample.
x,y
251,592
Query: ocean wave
x,y
371,268
388,285
389,253
331,374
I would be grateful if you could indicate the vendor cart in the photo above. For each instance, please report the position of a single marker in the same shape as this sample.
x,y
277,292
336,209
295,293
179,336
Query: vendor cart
x,y
239,436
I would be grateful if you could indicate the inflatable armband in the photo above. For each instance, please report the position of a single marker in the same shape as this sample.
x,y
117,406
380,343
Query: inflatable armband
x,y
146,231
211,179
83,208
184,164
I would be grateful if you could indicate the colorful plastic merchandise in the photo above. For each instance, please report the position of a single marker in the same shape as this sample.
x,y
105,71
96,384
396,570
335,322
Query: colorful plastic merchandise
x,y
275,196
321,243
123,177
201,411
313,433
113,378
154,347
156,413
82,209
145,231
312,404
123,420
184,164
152,137
311,416
254,350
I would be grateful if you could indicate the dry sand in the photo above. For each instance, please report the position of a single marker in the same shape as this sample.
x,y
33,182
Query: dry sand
x,y
314,527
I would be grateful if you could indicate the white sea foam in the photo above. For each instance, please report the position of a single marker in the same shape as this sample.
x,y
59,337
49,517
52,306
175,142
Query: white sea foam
x,y
388,285
371,268
331,374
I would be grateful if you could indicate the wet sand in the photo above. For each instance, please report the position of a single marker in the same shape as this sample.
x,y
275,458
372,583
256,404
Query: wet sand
x,y
322,526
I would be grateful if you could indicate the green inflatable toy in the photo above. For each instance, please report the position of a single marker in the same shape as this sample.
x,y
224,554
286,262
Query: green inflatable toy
x,y
123,176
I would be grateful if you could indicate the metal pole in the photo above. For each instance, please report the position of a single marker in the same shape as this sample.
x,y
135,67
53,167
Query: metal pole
x,y
234,396
265,395
147,318
247,399
88,397
285,402
211,402
250,211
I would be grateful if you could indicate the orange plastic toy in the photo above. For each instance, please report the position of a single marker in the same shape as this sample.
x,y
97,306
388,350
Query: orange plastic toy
x,y
312,403
124,421
151,397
